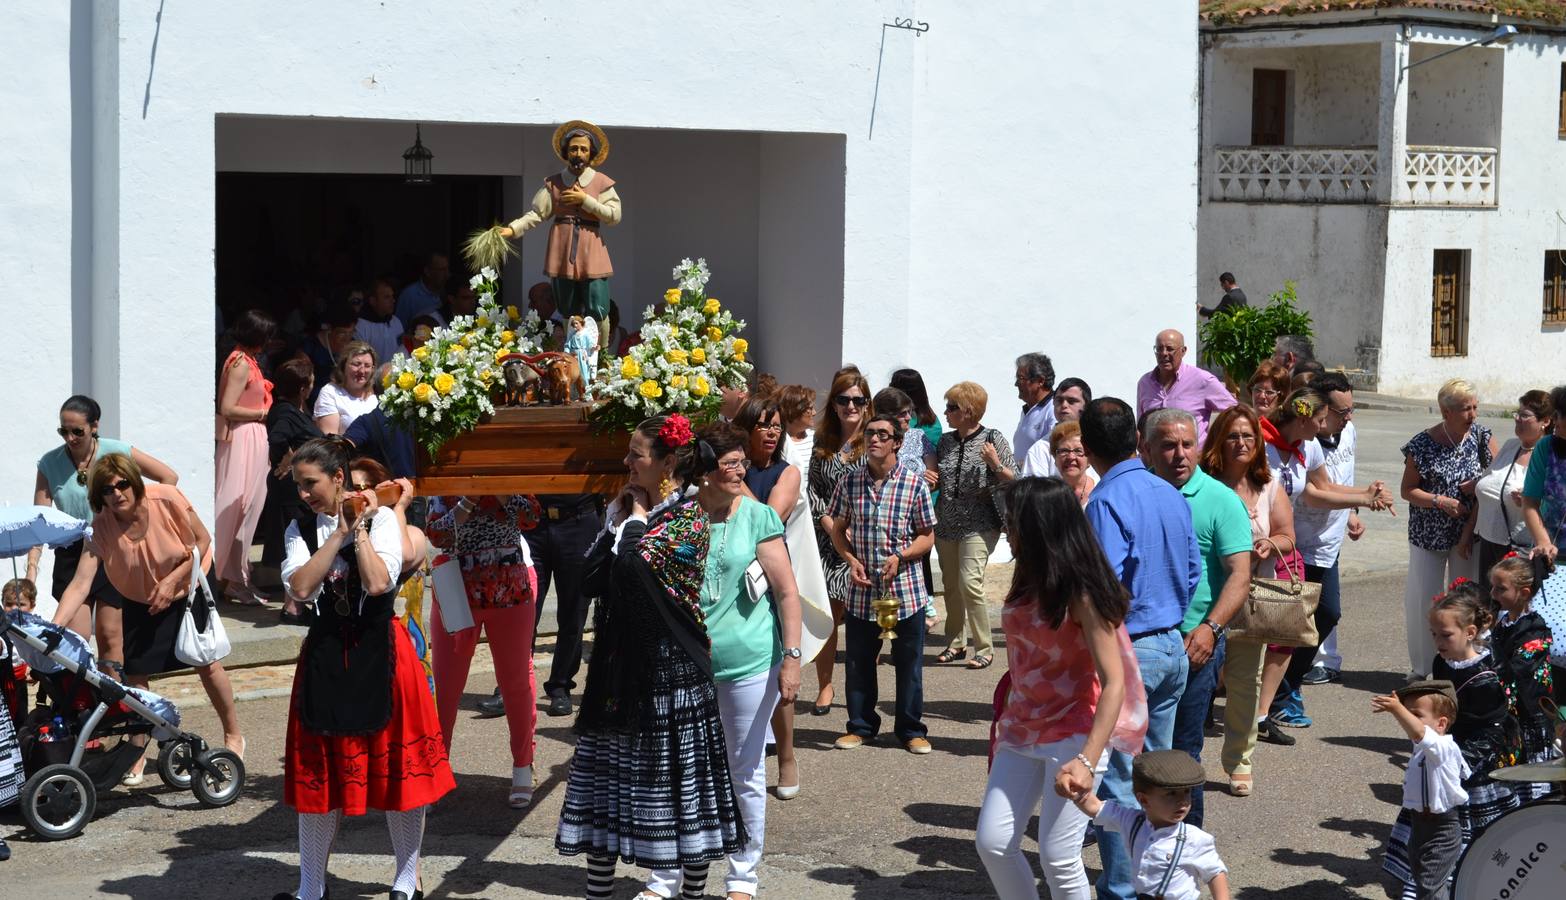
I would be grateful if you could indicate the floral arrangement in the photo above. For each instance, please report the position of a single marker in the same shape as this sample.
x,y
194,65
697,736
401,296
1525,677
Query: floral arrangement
x,y
443,388
690,352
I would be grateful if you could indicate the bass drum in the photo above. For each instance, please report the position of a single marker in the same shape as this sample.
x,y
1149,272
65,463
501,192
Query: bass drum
x,y
1519,857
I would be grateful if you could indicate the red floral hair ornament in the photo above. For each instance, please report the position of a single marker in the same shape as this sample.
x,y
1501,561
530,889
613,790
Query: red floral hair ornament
x,y
1510,554
676,432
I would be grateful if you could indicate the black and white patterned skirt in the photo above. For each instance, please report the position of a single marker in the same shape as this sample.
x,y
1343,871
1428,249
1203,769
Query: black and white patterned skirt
x,y
11,775
659,798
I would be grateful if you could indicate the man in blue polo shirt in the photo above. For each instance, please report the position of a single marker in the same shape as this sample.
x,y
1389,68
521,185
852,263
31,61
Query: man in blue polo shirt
x,y
1223,533
1144,527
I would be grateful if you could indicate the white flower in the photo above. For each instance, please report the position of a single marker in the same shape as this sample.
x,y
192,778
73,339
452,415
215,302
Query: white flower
x,y
489,273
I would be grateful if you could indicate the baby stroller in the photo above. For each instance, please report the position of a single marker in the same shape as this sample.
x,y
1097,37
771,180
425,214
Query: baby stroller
x,y
65,744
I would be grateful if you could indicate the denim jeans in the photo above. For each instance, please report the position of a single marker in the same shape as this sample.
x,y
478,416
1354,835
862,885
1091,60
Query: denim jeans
x,y
863,646
1328,611
1191,715
1163,662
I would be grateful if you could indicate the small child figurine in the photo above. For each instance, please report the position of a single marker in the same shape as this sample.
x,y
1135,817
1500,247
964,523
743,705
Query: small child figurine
x,y
1162,781
1433,785
580,345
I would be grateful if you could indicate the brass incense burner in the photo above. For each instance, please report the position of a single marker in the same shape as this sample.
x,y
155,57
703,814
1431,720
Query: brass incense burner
x,y
886,615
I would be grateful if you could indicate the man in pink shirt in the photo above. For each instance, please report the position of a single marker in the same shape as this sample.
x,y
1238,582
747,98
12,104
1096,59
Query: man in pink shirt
x,y
1174,385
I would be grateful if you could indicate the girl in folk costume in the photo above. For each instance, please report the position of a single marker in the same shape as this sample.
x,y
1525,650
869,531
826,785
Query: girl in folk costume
x,y
1521,641
1485,731
649,781
362,728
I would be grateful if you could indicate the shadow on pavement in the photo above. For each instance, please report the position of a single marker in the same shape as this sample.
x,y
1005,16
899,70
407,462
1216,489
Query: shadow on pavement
x,y
1395,749
967,712
1373,682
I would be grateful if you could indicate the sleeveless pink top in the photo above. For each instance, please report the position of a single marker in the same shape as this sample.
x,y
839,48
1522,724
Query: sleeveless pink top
x,y
1054,685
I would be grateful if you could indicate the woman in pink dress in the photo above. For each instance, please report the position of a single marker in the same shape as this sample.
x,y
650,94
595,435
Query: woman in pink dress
x,y
1075,692
244,397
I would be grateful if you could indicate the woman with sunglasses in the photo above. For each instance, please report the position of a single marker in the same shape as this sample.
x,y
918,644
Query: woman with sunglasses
x,y
839,449
142,535
62,481
973,461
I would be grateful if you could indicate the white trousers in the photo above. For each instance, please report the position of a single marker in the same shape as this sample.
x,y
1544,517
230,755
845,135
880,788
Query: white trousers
x,y
1329,655
1017,785
1429,574
746,709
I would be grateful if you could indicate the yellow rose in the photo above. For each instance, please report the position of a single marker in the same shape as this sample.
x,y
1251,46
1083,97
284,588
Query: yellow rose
x,y
482,322
630,368
650,390
386,379
677,381
507,337
677,356
422,392
486,376
711,307
513,314
421,353
672,296
698,356
741,346
714,333
501,354
406,381
739,357
444,382
701,388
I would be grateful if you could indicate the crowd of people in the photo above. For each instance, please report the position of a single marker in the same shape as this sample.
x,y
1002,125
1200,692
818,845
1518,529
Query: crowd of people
x,y
738,549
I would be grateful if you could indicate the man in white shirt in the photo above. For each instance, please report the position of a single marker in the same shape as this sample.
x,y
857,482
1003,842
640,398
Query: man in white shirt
x,y
1035,384
378,324
1321,531
1070,398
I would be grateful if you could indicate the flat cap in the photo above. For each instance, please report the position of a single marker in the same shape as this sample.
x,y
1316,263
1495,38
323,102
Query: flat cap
x,y
1168,769
1428,686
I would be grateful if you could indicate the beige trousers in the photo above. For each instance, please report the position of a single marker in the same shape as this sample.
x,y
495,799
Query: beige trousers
x,y
1242,679
962,577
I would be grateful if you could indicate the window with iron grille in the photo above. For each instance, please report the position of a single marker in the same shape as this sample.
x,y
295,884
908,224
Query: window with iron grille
x,y
1555,287
1449,303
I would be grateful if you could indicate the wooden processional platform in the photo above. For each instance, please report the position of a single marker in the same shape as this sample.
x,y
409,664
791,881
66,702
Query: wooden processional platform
x,y
528,450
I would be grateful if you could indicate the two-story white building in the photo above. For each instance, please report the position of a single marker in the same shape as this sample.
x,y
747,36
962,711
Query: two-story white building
x,y
1406,165
887,183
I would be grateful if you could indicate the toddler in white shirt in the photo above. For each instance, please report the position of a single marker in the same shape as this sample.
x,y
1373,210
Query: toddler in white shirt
x,y
1433,784
1170,858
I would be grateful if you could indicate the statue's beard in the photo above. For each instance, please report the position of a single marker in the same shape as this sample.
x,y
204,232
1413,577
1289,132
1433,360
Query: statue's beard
x,y
577,165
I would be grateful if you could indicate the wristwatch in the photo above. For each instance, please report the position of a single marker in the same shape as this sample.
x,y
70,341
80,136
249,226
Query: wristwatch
x,y
793,652
1218,630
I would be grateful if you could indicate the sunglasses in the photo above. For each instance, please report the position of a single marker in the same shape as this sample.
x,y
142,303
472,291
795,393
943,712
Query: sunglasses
x,y
845,402
70,432
952,407
118,487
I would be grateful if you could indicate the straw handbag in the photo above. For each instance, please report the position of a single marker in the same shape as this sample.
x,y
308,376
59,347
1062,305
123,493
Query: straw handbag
x,y
1278,611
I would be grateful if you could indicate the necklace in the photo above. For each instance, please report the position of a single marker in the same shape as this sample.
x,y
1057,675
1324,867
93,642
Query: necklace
x,y
1451,441
81,467
711,589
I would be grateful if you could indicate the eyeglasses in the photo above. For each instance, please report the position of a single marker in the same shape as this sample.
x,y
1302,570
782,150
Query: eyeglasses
x,y
770,426
1264,392
1345,412
878,434
70,432
118,487
846,401
734,465
1240,438
1070,451
1520,415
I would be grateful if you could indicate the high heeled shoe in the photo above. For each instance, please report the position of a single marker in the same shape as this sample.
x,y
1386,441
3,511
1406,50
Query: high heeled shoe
x,y
521,787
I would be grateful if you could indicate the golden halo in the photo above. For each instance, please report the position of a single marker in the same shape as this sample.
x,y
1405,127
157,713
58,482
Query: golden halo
x,y
600,140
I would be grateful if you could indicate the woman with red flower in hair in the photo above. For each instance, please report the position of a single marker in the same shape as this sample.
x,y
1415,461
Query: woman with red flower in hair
x,y
483,535
649,781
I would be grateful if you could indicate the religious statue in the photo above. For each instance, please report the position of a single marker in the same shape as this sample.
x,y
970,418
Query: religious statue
x,y
577,202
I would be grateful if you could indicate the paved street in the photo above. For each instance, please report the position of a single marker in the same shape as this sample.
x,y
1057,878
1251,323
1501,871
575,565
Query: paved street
x,y
870,823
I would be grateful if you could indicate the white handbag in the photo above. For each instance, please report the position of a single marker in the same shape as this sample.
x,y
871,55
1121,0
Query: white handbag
x,y
194,646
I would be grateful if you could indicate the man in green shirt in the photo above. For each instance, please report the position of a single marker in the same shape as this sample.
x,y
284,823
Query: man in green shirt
x,y
1223,534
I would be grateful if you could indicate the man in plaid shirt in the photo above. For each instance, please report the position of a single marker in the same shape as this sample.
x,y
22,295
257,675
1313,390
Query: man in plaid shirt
x,y
892,519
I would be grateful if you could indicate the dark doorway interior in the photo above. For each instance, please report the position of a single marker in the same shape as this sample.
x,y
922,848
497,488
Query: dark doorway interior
x,y
286,242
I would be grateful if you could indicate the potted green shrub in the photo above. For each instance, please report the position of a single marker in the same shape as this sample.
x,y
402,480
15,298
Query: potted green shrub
x,y
1238,339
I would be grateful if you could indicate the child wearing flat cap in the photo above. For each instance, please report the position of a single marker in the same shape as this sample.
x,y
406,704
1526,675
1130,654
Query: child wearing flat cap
x,y
1433,784
1170,858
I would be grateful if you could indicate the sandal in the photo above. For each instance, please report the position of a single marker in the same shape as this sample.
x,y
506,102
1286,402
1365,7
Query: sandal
x,y
950,656
1240,785
980,662
521,787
